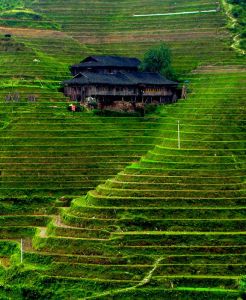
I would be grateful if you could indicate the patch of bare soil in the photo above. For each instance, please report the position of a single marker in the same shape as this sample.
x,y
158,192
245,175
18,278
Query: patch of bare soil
x,y
29,32
219,69
122,37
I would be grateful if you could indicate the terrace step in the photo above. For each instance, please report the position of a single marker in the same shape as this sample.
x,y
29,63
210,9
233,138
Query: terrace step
x,y
57,228
105,226
82,284
196,152
175,293
179,250
17,232
69,245
101,272
24,220
73,159
213,193
212,159
48,258
185,179
141,222
94,198
39,257
200,269
191,165
196,281
179,184
175,238
206,259
137,272
85,222
80,208
137,169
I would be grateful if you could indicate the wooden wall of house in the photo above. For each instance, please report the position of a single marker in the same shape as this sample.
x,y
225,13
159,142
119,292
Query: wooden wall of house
x,y
111,91
157,91
80,93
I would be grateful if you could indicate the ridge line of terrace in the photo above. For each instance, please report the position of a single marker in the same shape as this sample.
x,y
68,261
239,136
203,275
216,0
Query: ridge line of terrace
x,y
177,13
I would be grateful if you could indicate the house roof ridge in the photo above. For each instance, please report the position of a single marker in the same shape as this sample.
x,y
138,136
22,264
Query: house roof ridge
x,y
108,61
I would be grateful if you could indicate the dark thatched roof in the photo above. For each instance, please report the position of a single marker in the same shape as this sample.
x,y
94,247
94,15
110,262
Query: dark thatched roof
x,y
108,61
119,78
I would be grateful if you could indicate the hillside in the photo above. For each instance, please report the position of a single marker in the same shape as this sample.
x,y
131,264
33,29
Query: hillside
x,y
110,207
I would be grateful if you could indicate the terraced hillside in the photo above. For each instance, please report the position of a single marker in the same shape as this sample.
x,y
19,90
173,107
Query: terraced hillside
x,y
47,150
147,218
43,65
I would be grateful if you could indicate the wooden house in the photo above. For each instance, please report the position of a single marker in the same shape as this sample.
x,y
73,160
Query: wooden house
x,y
112,78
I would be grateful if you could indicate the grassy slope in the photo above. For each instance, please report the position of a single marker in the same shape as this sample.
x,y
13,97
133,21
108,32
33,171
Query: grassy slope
x,y
100,241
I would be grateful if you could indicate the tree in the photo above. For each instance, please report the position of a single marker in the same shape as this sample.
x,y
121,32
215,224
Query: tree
x,y
158,59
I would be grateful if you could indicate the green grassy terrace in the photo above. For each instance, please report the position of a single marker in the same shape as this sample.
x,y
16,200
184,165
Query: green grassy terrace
x,y
95,207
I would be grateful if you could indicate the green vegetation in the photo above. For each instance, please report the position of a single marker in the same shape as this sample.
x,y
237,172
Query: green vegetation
x,y
15,13
27,17
9,4
158,59
109,207
237,10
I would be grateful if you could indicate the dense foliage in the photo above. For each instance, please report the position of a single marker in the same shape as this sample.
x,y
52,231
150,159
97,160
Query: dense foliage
x,y
158,59
238,11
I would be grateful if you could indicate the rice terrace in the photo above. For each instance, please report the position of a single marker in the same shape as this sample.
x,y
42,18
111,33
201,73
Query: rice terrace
x,y
122,175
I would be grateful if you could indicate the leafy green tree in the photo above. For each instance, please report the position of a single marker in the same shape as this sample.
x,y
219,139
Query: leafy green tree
x,y
158,59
